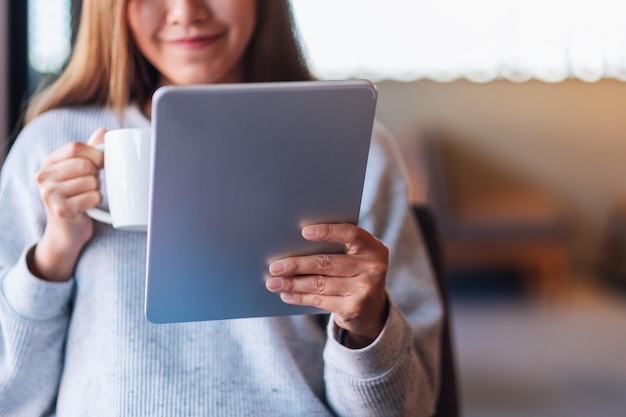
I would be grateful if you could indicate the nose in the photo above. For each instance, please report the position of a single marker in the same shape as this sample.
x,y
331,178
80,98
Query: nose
x,y
186,12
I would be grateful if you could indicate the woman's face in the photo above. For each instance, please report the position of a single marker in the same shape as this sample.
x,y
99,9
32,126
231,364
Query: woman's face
x,y
193,41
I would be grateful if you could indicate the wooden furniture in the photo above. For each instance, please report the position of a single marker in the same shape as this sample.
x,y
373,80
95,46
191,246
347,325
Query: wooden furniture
x,y
489,218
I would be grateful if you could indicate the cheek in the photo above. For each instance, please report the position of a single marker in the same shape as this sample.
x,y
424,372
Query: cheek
x,y
144,20
242,14
252,15
245,32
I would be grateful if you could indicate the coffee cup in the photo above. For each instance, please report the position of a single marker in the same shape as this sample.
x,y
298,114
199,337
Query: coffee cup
x,y
127,171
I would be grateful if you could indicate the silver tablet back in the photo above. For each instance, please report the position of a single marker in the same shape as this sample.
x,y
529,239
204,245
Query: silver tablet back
x,y
237,171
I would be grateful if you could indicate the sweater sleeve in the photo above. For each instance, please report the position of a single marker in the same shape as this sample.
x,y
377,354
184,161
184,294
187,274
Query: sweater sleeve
x,y
34,313
397,374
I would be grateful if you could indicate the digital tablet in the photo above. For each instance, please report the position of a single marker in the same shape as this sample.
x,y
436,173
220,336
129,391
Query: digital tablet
x,y
237,171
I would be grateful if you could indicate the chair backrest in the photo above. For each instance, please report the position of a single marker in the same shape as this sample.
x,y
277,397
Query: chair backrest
x,y
448,400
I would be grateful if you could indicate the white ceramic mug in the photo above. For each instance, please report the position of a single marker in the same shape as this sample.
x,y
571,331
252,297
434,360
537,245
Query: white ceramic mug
x,y
127,156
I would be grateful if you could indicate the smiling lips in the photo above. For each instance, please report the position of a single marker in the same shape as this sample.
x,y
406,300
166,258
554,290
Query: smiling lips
x,y
197,42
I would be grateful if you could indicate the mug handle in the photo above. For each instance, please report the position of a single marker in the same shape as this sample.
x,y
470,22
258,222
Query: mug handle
x,y
95,212
100,215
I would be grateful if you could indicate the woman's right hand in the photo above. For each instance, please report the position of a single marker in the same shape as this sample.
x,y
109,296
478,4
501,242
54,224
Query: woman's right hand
x,y
68,183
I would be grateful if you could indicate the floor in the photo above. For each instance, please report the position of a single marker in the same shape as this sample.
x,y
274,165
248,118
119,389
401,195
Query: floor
x,y
564,358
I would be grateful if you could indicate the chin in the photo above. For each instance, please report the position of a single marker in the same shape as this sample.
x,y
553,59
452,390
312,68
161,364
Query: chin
x,y
198,81
203,76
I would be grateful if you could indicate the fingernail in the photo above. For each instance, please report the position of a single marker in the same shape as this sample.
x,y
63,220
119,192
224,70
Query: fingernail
x,y
277,267
309,231
286,296
274,284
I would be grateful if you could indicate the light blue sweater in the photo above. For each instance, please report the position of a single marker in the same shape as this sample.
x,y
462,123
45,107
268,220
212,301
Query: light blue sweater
x,y
84,347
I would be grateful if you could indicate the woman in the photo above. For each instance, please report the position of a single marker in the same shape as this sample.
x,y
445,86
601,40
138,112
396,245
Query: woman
x,y
75,341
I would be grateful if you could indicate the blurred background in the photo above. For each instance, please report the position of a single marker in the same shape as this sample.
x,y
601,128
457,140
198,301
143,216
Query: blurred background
x,y
510,116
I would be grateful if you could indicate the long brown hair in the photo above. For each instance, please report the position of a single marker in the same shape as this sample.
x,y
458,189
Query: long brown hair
x,y
106,67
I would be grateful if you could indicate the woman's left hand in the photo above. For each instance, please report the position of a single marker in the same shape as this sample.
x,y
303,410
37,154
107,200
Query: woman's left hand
x,y
350,285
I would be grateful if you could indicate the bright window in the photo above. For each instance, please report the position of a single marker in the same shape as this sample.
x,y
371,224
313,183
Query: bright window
x,y
443,40
479,39
49,34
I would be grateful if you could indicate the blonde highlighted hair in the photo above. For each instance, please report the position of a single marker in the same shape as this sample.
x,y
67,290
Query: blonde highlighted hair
x,y
106,68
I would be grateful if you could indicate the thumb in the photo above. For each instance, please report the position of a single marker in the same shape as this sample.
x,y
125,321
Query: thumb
x,y
97,137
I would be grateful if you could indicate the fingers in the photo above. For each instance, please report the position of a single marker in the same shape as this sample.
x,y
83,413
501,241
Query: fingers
x,y
73,160
314,284
76,150
70,187
97,137
66,169
323,264
355,238
68,180
366,254
339,295
349,298
75,205
327,303
78,194
351,285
